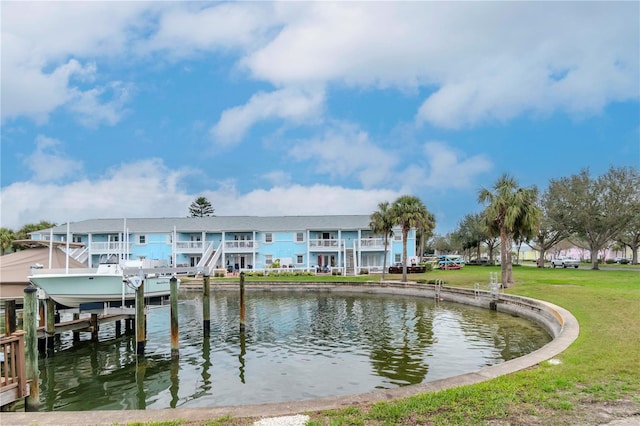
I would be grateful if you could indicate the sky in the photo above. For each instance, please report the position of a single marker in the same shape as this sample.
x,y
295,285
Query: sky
x,y
134,109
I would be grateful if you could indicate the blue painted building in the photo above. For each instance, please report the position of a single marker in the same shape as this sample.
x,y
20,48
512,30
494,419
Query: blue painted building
x,y
238,242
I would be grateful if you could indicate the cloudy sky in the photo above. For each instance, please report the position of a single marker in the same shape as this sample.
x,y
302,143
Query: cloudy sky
x,y
134,109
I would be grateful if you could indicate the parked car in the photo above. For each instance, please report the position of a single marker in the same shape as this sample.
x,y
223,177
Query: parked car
x,y
565,262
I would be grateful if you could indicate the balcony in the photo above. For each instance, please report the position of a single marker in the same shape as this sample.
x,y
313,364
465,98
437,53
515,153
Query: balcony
x,y
240,246
189,247
325,244
110,247
373,244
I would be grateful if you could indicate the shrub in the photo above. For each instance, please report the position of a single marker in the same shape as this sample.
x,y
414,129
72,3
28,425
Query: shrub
x,y
610,261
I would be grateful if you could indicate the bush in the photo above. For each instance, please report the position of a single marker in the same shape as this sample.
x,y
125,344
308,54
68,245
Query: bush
x,y
428,266
336,272
610,261
364,271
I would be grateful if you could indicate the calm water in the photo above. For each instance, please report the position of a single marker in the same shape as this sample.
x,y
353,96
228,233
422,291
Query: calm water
x,y
296,346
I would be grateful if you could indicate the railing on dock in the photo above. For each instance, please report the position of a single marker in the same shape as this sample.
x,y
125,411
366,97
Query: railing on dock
x,y
13,375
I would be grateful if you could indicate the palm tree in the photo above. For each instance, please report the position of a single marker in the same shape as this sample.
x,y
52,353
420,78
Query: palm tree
x,y
409,212
7,236
511,212
382,223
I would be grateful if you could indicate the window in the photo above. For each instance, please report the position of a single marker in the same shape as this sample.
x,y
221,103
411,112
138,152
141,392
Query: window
x,y
397,237
142,239
398,258
300,237
268,237
299,259
268,259
77,239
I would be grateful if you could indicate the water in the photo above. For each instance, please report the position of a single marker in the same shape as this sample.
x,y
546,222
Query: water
x,y
296,346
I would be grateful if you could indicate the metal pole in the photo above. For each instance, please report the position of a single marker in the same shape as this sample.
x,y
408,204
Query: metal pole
x,y
175,341
32,401
242,322
206,305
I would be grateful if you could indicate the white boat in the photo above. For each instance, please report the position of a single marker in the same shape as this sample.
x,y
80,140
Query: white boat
x,y
112,281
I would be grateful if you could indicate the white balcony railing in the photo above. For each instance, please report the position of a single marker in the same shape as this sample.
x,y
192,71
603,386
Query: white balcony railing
x,y
373,243
325,244
240,246
189,246
110,247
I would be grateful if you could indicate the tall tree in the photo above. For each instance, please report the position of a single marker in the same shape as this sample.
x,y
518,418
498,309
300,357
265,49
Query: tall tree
x,y
382,223
25,230
410,212
512,213
7,237
597,210
201,207
549,234
630,237
470,234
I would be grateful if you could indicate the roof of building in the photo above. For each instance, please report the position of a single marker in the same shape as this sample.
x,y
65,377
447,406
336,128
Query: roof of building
x,y
215,224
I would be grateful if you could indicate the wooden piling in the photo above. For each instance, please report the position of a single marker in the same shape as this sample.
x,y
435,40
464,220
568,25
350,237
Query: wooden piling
x,y
140,320
9,317
95,327
41,320
30,309
118,329
175,341
76,334
206,305
242,322
50,328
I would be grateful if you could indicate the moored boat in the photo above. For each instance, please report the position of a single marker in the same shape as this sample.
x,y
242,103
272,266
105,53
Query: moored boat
x,y
112,281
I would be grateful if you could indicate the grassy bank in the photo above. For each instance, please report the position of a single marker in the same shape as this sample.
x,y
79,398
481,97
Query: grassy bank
x,y
597,378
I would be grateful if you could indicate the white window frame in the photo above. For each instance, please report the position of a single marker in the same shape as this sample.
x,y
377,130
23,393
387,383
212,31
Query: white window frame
x,y
268,237
299,259
268,259
299,237
142,239
398,258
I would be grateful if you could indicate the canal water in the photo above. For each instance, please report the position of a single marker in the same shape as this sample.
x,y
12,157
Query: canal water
x,y
296,345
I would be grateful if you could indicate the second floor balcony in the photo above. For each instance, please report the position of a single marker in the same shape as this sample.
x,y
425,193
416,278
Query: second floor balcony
x,y
240,246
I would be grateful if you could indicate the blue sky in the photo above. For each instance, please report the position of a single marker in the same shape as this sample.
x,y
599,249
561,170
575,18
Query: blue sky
x,y
134,109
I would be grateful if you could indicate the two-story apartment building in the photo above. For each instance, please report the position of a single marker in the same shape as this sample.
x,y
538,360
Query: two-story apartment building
x,y
237,242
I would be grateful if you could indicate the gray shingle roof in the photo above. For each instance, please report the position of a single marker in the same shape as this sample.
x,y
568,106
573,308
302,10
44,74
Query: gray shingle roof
x,y
216,224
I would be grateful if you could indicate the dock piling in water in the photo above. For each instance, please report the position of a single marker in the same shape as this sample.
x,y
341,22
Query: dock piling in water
x,y
32,402
206,305
175,341
140,320
242,322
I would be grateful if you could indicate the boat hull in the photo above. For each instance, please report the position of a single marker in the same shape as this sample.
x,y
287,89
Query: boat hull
x,y
74,290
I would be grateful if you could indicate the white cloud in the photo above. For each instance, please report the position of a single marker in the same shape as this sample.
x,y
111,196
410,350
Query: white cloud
x,y
483,61
277,178
92,111
345,151
48,50
295,105
149,188
48,163
448,169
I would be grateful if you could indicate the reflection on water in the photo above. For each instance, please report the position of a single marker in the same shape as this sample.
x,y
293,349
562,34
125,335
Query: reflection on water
x,y
295,346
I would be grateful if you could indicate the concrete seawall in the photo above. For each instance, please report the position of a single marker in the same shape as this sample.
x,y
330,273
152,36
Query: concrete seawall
x,y
559,322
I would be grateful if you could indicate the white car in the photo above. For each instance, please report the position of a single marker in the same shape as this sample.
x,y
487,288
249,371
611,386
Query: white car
x,y
565,262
